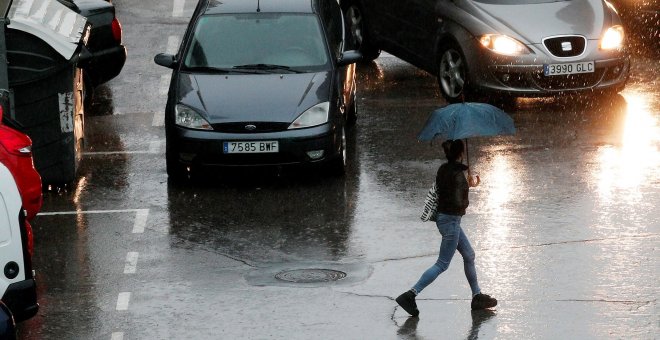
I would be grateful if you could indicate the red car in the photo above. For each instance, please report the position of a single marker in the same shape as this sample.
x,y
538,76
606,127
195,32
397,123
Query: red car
x,y
16,154
20,200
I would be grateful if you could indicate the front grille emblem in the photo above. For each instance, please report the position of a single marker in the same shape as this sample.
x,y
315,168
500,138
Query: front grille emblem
x,y
250,127
566,46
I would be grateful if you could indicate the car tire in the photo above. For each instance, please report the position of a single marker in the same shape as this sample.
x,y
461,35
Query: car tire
x,y
176,172
352,113
88,92
337,166
452,74
359,35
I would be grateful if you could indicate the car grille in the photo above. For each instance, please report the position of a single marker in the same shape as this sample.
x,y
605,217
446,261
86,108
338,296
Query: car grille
x,y
568,82
566,46
250,127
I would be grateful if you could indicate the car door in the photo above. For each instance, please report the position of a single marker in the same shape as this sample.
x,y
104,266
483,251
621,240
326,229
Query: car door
x,y
415,30
335,31
381,18
11,244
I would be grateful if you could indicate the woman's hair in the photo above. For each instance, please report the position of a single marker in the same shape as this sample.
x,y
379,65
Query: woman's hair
x,y
453,149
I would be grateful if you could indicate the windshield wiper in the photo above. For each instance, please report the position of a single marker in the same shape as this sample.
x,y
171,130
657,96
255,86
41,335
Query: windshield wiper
x,y
208,69
266,67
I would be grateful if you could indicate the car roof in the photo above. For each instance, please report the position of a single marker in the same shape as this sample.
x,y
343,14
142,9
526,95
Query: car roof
x,y
263,6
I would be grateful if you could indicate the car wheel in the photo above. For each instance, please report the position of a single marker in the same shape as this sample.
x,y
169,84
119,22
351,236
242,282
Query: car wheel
x,y
352,112
338,164
452,74
359,33
176,172
88,92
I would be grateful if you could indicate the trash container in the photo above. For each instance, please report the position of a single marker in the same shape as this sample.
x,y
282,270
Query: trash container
x,y
43,42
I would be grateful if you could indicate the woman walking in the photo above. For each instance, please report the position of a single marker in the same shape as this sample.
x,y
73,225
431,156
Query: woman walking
x,y
452,189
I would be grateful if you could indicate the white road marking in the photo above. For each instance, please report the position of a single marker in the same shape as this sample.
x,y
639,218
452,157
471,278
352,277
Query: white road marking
x,y
177,9
108,153
117,336
164,84
154,146
172,44
53,213
159,118
123,300
140,221
131,262
141,216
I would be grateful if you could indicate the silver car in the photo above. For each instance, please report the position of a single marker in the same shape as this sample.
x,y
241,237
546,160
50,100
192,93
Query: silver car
x,y
499,47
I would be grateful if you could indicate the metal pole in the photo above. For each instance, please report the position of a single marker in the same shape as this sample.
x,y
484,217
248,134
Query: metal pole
x,y
467,156
4,21
5,96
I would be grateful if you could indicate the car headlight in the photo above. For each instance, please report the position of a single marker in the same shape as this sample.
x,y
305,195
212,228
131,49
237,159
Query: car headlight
x,y
613,38
315,115
503,44
187,117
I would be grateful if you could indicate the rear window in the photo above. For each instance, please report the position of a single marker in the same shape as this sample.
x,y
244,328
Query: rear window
x,y
228,40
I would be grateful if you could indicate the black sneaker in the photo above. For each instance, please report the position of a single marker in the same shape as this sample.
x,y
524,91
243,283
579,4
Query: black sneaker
x,y
483,301
407,302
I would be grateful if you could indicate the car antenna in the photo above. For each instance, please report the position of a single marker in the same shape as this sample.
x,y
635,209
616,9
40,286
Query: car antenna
x,y
258,6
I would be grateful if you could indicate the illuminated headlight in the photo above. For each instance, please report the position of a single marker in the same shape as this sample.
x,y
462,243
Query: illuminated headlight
x,y
187,117
612,39
503,45
315,115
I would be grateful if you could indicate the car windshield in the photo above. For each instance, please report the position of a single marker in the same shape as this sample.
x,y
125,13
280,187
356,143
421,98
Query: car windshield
x,y
257,42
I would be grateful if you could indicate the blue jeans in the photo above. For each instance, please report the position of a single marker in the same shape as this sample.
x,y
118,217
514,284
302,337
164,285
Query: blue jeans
x,y
453,239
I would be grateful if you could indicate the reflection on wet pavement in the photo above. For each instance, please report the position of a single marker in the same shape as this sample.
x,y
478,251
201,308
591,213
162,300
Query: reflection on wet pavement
x,y
565,225
567,208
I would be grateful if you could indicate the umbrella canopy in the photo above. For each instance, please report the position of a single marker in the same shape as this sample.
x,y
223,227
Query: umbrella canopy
x,y
465,120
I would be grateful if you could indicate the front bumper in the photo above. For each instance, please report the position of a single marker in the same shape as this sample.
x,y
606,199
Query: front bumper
x,y
205,148
523,76
530,80
21,298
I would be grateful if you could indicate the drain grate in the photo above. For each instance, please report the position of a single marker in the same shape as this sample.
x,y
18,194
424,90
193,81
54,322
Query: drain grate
x,y
310,275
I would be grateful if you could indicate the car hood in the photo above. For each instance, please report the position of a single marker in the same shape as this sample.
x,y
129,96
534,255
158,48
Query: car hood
x,y
253,97
535,21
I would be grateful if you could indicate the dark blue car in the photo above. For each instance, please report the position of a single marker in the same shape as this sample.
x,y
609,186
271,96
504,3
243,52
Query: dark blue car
x,y
259,83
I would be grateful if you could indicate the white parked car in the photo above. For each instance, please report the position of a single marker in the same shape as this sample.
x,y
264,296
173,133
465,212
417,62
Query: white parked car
x,y
17,284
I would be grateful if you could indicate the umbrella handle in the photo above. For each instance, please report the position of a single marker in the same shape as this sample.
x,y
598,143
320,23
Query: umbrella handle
x,y
467,156
472,181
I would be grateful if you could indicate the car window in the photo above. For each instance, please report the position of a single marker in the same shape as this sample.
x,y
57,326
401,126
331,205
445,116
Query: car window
x,y
230,40
333,19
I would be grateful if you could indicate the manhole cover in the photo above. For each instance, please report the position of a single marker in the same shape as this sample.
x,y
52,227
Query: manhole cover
x,y
310,275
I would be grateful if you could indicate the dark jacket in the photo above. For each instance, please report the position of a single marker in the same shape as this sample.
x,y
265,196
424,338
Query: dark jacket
x,y
452,188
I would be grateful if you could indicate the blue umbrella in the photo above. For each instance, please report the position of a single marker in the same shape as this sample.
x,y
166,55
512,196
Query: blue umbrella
x,y
465,120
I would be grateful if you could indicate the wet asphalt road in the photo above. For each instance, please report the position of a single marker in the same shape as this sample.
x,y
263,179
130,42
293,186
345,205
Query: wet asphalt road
x,y
565,223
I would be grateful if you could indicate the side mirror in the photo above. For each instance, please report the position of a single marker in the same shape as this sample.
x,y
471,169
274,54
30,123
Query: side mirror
x,y
349,57
164,59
